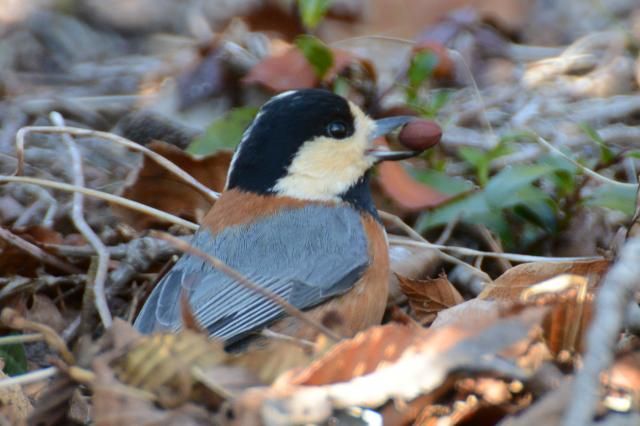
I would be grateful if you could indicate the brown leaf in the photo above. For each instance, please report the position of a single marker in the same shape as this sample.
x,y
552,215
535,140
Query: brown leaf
x,y
513,282
409,194
291,70
391,361
474,310
44,311
154,186
411,262
14,405
566,286
430,296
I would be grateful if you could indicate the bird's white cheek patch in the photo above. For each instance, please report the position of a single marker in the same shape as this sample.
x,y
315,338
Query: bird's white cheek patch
x,y
325,168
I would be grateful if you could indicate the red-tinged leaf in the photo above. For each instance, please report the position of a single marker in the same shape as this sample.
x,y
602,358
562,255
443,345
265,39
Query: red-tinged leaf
x,y
409,194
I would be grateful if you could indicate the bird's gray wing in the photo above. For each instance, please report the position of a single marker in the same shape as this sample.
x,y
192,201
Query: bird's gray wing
x,y
306,255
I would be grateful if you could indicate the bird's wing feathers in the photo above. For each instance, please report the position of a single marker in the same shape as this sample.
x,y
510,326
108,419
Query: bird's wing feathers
x,y
305,255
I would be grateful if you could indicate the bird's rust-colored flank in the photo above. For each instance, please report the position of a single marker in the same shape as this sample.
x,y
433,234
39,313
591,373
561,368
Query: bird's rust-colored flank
x,y
236,207
364,305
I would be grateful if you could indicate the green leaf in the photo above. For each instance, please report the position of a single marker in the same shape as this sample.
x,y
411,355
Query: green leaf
x,y
616,197
317,53
481,160
606,155
633,154
473,207
14,358
538,208
502,188
312,11
224,133
450,185
421,68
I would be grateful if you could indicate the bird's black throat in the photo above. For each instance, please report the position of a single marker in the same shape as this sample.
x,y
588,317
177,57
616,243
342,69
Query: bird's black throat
x,y
359,196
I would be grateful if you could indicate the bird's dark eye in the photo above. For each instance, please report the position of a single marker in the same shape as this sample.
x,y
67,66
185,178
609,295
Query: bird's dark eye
x,y
337,129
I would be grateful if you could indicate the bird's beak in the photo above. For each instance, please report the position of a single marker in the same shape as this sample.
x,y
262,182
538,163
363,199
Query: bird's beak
x,y
383,127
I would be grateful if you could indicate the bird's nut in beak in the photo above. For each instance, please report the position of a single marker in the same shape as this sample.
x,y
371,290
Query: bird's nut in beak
x,y
417,135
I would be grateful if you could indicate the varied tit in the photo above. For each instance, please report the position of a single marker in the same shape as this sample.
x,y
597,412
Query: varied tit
x,y
296,217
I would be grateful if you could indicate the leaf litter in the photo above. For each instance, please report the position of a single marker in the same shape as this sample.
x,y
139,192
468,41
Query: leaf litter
x,y
509,355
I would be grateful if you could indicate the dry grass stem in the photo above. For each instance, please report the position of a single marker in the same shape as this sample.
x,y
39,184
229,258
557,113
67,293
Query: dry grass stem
x,y
142,208
170,166
77,216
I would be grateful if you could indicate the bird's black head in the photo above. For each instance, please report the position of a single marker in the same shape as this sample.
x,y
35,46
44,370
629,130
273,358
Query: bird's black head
x,y
309,144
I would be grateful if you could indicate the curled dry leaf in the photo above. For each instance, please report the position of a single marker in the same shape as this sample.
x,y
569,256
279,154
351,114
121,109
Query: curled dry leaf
x,y
566,286
154,186
428,297
411,262
389,362
291,70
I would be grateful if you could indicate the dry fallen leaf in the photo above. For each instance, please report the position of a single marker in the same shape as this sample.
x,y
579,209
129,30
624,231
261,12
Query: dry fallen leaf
x,y
388,362
14,405
566,286
406,192
411,262
154,186
430,296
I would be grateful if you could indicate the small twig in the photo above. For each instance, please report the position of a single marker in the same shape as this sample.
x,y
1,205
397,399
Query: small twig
x,y
618,287
495,246
448,229
37,252
270,334
287,307
32,377
509,256
77,216
420,239
20,338
133,205
10,318
586,170
162,161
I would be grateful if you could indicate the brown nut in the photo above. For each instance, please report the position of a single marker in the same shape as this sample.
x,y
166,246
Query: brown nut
x,y
419,135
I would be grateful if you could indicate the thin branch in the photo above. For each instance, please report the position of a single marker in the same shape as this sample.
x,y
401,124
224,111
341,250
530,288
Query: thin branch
x,y
509,256
75,131
420,239
244,281
77,216
586,170
133,205
32,377
37,252
618,287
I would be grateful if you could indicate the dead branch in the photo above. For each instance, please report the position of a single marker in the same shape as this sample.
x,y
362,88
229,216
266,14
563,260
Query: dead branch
x,y
618,287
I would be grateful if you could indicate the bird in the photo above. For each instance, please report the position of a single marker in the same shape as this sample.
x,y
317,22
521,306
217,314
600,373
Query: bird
x,y
297,218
